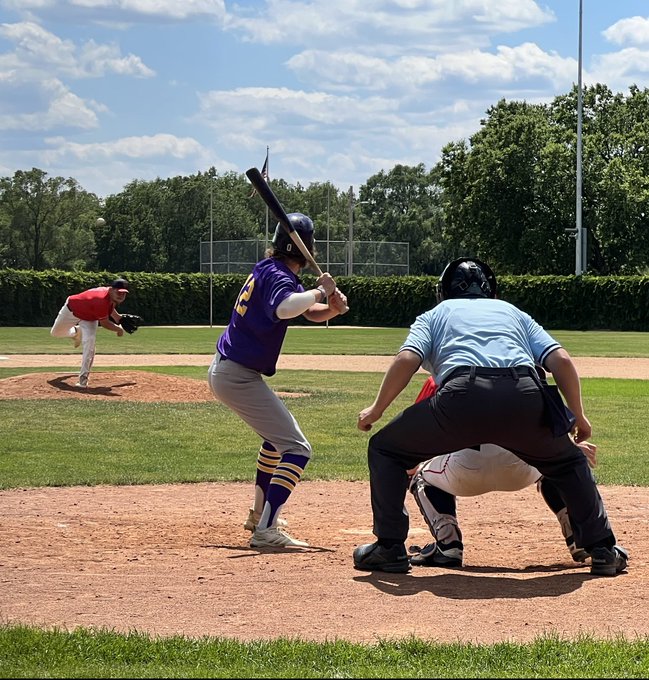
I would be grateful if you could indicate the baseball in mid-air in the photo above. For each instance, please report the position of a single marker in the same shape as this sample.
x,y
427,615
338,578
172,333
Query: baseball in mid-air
x,y
101,222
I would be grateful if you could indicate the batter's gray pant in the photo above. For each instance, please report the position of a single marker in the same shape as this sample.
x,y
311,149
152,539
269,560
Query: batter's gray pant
x,y
247,394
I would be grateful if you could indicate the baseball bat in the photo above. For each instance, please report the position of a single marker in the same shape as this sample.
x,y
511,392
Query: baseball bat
x,y
263,189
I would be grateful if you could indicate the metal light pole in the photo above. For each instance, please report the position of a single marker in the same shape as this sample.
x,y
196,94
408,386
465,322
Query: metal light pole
x,y
328,220
328,210
580,233
211,243
350,254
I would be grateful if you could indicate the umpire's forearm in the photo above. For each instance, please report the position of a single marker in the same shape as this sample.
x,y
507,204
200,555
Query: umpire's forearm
x,y
566,377
398,375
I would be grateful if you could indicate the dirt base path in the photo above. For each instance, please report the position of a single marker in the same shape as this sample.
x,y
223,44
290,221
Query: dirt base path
x,y
588,367
174,559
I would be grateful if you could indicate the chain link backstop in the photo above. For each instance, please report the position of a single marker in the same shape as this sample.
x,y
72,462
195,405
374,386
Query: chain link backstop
x,y
369,258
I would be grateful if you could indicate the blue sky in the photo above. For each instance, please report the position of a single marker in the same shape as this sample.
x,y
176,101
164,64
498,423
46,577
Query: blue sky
x,y
107,91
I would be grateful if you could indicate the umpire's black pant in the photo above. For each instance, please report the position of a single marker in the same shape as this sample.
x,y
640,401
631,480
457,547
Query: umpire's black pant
x,y
498,406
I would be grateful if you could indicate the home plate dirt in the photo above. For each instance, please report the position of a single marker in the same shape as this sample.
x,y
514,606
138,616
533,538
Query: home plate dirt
x,y
174,559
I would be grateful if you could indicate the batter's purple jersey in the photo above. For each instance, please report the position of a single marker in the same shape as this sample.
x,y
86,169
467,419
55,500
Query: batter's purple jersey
x,y
255,335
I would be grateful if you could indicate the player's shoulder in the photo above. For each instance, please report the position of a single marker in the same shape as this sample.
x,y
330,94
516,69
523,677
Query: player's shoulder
x,y
91,293
268,265
275,269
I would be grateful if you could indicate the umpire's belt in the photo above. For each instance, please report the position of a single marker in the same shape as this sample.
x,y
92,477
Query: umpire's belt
x,y
472,371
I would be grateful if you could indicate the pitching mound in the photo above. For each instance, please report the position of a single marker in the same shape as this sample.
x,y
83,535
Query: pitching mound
x,y
129,385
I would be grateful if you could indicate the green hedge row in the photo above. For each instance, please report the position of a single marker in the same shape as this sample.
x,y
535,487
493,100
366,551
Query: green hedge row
x,y
33,298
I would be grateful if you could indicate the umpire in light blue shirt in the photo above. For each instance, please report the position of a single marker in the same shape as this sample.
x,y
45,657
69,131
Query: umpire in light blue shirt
x,y
482,352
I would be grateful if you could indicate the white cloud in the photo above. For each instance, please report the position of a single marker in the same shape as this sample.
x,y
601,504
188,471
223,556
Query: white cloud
x,y
27,4
172,9
621,69
175,9
327,136
634,30
507,65
62,108
39,51
404,24
97,60
148,146
246,108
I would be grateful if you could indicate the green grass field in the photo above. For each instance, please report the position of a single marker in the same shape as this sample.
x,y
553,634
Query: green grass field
x,y
314,339
30,653
70,442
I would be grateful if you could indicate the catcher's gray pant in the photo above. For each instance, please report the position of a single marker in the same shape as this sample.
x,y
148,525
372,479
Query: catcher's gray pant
x,y
64,328
247,394
501,406
468,472
471,472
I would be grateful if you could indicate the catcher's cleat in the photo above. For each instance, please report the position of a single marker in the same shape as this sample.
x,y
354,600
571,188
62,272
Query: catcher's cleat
x,y
77,337
275,537
433,555
577,554
253,520
375,557
608,561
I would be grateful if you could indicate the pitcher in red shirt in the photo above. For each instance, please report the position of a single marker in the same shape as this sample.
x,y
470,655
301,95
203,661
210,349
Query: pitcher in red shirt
x,y
80,315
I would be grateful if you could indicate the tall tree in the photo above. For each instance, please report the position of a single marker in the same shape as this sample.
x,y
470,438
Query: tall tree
x,y
404,205
512,162
46,222
158,225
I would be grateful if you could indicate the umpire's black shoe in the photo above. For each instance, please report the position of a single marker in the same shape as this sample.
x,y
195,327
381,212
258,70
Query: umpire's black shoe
x,y
375,557
434,555
608,561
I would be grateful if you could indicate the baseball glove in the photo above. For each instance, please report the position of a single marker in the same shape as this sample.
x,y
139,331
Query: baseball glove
x,y
131,322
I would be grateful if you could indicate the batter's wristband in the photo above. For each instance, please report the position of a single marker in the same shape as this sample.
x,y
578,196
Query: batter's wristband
x,y
323,292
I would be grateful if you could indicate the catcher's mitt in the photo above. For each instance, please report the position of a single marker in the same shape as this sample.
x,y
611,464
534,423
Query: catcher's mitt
x,y
131,322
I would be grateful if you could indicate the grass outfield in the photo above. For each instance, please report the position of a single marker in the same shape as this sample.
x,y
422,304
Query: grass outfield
x,y
313,339
31,653
66,442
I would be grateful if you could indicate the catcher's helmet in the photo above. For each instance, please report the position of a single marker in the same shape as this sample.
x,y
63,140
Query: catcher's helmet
x,y
283,243
466,277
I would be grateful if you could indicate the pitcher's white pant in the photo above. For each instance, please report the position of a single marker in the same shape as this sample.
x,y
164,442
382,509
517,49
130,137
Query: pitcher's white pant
x,y
465,473
64,327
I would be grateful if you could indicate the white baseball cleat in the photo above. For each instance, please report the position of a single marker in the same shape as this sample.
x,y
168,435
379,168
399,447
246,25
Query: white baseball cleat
x,y
83,381
253,520
275,537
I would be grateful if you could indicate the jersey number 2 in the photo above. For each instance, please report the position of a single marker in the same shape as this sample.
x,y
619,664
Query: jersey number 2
x,y
241,305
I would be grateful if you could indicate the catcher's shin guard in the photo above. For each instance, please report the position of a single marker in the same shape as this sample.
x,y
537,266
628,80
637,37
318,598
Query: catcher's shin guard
x,y
439,511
